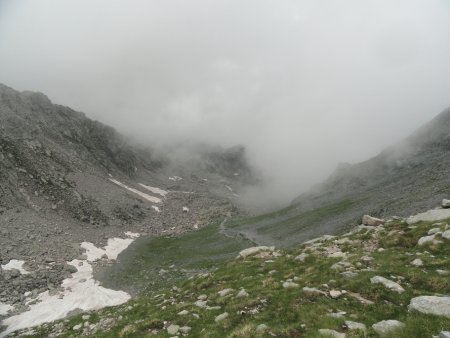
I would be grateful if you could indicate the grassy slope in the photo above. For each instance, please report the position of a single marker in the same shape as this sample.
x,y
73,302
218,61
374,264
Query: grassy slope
x,y
291,225
150,264
290,312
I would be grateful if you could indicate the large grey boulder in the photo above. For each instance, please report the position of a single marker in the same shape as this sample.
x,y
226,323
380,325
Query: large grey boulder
x,y
445,203
393,286
372,221
386,327
446,234
433,305
429,216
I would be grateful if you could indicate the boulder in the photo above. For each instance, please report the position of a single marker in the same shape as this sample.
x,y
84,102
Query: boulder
x,y
254,250
331,333
372,221
225,292
446,234
290,285
444,334
433,231
393,286
426,239
335,293
417,262
353,326
242,293
430,216
221,317
386,327
314,291
173,329
301,257
445,203
433,305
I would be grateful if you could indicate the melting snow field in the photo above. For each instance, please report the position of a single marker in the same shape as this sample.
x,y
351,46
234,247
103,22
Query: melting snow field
x,y
148,197
81,290
15,264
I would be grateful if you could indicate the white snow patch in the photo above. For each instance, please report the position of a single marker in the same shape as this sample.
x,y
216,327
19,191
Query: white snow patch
x,y
87,295
152,199
229,188
112,250
81,291
4,308
175,178
154,190
156,208
15,264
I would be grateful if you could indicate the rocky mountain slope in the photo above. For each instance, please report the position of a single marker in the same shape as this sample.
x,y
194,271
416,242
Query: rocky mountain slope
x,y
389,280
65,179
403,179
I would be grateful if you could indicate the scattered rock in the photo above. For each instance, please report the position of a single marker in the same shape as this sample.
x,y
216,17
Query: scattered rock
x,y
353,326
433,231
262,328
444,334
313,291
301,257
242,293
349,274
433,305
426,239
393,286
200,303
335,293
183,313
202,297
446,234
386,327
173,329
254,250
331,333
290,285
185,329
417,262
221,317
372,221
225,292
429,216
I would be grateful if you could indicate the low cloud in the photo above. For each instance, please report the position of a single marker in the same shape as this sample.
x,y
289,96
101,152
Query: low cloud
x,y
302,84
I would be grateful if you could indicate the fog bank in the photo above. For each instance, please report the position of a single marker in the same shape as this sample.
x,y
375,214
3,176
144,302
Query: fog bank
x,y
302,84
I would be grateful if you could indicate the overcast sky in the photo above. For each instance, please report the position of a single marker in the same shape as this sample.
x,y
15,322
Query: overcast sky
x,y
303,84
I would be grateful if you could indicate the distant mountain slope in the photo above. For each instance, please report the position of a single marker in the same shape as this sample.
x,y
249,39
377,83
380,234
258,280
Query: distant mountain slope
x,y
410,176
65,179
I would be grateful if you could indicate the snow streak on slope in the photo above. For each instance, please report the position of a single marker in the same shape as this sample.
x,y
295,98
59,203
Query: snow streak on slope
x,y
148,197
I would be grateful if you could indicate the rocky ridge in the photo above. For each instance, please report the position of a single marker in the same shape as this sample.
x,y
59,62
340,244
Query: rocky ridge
x,y
65,179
